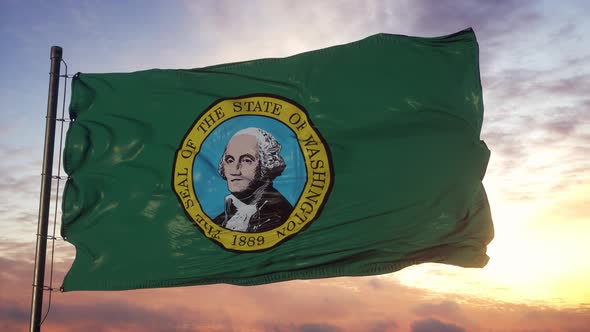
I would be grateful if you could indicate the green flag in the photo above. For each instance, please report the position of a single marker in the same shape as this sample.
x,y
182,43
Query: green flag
x,y
353,160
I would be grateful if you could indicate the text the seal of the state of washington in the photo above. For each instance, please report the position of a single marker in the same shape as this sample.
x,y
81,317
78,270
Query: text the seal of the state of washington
x,y
252,172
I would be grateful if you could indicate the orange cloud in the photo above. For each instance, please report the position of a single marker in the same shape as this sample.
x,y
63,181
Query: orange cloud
x,y
378,304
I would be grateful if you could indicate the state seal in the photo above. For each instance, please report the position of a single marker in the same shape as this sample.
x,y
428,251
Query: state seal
x,y
252,172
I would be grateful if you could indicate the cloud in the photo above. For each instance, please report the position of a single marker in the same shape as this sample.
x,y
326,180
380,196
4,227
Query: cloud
x,y
552,144
376,283
123,314
536,109
533,330
512,86
447,15
433,325
19,193
445,309
578,61
383,326
98,317
261,28
318,327
312,24
11,313
337,304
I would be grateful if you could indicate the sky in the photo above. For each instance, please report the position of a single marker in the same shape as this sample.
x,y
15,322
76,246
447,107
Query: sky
x,y
535,72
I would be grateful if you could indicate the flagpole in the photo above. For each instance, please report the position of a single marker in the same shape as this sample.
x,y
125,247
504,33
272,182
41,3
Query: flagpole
x,y
43,221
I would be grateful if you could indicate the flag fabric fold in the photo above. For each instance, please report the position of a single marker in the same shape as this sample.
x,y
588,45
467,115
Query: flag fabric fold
x,y
353,160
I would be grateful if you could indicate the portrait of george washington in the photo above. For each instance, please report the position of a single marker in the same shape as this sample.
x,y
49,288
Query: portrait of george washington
x,y
249,164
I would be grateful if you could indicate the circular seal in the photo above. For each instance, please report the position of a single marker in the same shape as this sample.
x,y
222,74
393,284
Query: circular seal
x,y
252,172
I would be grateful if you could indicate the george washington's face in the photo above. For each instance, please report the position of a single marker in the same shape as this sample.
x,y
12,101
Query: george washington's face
x,y
241,164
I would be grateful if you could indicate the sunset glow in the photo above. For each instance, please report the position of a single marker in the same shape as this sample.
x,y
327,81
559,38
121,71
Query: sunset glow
x,y
535,73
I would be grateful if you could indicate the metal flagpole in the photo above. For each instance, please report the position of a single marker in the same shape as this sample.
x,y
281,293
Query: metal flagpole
x,y
43,221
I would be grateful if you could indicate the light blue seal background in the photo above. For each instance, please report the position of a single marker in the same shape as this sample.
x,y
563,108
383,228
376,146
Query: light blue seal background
x,y
211,188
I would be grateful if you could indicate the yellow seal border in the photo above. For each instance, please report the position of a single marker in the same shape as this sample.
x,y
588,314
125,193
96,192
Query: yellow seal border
x,y
319,171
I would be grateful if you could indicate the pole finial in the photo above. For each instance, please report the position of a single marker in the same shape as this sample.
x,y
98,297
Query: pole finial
x,y
56,52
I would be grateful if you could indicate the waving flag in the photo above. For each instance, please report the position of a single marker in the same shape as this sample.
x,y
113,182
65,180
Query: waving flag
x,y
353,160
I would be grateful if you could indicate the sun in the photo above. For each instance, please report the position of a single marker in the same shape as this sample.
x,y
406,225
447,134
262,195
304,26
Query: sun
x,y
539,255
